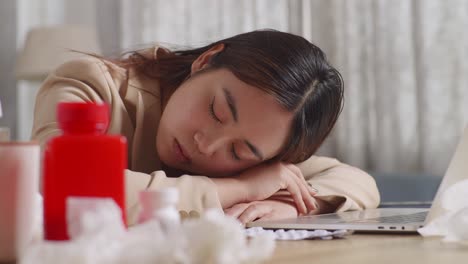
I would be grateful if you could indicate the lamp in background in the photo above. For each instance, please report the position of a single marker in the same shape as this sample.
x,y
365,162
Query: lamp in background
x,y
48,47
44,50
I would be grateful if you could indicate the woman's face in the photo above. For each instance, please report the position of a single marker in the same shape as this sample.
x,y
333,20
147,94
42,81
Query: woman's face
x,y
216,125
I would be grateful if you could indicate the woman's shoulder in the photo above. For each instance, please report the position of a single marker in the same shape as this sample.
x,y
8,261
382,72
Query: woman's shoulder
x,y
88,78
88,65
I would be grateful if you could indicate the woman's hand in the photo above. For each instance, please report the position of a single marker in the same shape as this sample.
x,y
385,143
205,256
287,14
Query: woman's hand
x,y
263,181
262,210
279,206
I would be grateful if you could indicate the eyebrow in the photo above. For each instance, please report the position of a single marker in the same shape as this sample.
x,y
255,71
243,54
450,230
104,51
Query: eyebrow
x,y
232,106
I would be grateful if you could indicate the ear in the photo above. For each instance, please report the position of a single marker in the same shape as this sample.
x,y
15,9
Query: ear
x,y
204,59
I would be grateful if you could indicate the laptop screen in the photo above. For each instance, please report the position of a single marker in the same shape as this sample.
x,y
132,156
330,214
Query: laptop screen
x,y
457,171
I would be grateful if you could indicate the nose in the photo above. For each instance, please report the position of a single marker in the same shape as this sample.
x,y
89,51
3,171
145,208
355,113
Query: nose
x,y
209,144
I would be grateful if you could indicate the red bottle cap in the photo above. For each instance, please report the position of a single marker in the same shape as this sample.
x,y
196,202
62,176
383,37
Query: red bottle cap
x,y
83,117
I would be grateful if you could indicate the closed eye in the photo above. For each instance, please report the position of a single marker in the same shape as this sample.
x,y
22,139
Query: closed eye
x,y
212,112
233,152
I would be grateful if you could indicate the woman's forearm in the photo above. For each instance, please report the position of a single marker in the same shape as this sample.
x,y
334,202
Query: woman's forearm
x,y
231,191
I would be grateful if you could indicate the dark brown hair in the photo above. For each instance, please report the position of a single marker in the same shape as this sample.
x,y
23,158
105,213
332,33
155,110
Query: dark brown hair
x,y
287,66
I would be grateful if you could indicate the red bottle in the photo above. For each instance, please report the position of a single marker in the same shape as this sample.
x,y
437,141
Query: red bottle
x,y
83,161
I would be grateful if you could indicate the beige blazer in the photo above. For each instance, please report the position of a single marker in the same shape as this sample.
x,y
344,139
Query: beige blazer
x,y
135,104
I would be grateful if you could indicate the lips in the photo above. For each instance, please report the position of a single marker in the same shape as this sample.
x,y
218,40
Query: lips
x,y
180,153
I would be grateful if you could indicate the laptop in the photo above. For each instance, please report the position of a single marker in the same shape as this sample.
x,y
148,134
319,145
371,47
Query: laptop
x,y
383,219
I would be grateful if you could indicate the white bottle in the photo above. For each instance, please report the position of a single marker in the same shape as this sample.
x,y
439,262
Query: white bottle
x,y
159,205
4,131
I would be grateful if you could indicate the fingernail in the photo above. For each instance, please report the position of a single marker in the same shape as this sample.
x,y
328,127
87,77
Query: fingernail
x,y
312,187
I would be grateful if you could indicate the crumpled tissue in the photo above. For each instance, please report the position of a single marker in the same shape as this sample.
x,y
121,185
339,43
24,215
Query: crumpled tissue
x,y
98,235
453,224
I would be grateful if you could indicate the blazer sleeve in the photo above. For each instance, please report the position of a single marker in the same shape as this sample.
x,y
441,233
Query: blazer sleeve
x,y
196,193
343,186
89,80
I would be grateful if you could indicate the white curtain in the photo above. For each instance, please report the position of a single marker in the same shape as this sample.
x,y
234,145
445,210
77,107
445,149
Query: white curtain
x,y
185,22
404,63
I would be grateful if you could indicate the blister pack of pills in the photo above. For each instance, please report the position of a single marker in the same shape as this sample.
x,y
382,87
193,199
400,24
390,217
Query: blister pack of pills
x,y
293,234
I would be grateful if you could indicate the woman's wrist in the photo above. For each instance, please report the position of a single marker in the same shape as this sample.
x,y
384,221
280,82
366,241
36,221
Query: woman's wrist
x,y
231,191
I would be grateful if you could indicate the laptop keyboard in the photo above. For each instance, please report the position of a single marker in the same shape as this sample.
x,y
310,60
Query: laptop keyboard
x,y
396,219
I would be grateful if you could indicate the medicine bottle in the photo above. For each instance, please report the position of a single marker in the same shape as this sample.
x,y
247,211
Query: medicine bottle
x,y
83,161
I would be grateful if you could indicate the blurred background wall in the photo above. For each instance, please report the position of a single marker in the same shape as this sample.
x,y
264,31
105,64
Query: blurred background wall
x,y
404,62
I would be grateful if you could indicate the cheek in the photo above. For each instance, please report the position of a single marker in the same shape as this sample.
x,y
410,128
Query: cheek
x,y
190,120
182,116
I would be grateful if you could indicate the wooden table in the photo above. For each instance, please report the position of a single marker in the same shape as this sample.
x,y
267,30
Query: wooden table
x,y
368,248
371,248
